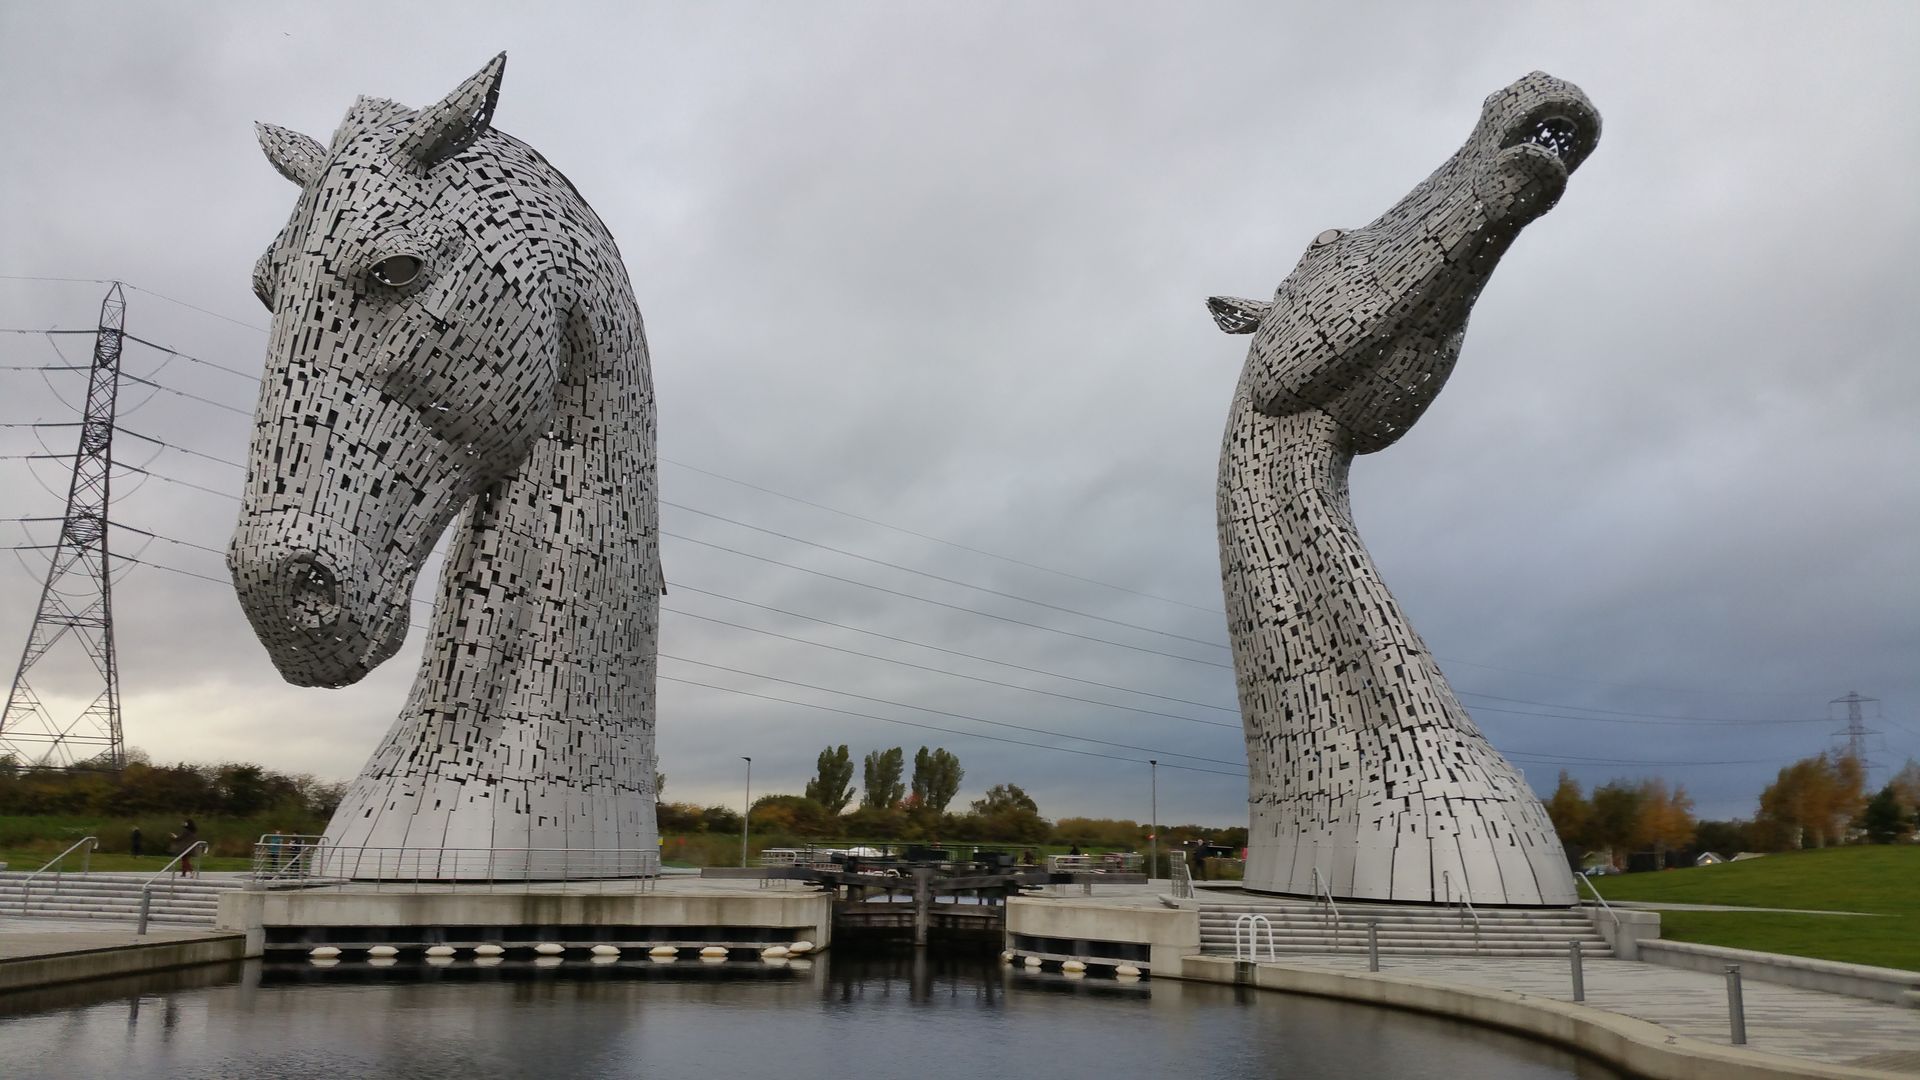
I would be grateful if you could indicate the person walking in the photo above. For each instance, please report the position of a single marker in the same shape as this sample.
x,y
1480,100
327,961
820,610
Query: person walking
x,y
189,835
134,842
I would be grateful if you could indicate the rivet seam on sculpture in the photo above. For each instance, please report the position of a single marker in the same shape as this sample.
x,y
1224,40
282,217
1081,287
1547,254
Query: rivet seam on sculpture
x,y
454,335
1365,773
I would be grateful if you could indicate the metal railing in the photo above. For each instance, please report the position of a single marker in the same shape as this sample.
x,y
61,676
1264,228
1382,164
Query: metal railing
x,y
1112,862
1182,878
1321,892
285,857
146,888
86,862
1464,908
1604,906
1253,924
418,869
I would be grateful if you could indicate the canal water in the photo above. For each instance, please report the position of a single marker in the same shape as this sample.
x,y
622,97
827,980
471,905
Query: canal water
x,y
858,1017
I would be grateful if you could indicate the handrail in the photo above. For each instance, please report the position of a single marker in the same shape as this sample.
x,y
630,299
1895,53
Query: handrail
x,y
86,862
1322,892
322,864
1182,878
1446,883
146,887
1254,924
1604,906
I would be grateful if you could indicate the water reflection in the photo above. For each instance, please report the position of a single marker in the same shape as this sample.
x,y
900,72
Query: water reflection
x,y
896,1014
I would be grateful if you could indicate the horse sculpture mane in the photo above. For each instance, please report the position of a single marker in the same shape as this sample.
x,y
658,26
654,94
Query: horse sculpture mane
x,y
453,332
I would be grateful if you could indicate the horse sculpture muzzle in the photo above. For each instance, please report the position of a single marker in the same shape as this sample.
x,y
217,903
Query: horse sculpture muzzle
x,y
321,599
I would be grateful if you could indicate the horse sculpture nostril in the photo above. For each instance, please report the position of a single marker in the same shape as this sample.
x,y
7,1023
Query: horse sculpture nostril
x,y
313,594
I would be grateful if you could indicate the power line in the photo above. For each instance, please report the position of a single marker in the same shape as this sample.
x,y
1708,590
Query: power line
x,y
942,603
943,671
932,727
940,712
937,577
936,539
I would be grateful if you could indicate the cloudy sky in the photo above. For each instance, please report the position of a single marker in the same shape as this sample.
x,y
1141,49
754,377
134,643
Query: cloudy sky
x,y
924,288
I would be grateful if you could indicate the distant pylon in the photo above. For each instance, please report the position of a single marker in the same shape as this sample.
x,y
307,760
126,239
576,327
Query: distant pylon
x,y
1856,731
77,600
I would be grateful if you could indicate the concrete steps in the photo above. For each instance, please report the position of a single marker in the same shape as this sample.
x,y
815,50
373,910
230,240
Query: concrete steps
x,y
111,896
1303,928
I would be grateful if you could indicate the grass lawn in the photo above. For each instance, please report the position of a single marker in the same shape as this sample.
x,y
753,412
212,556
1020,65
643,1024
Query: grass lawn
x,y
1881,879
36,858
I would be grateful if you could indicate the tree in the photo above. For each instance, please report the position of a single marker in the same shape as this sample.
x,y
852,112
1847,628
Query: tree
x,y
1003,797
1665,821
791,815
884,789
1905,785
1810,802
1571,814
1883,818
832,786
1727,838
1616,815
1008,813
936,779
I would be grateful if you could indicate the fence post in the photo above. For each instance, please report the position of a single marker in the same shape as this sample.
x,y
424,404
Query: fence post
x,y
146,906
1736,1006
1373,944
1579,975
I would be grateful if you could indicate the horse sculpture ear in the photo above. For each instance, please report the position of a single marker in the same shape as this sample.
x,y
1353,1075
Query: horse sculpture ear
x,y
1237,316
295,156
440,131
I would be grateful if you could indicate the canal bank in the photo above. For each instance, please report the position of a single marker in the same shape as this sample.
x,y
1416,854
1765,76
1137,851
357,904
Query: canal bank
x,y
37,953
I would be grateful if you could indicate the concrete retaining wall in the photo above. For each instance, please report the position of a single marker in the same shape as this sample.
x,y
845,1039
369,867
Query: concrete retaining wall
x,y
1855,980
1625,929
51,969
1636,1046
1168,933
803,915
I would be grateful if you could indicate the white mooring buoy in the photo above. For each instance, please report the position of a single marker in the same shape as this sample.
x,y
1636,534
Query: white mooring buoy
x,y
663,952
606,950
383,952
324,952
1127,971
1073,967
774,952
548,948
439,950
1033,961
487,950
713,954
800,948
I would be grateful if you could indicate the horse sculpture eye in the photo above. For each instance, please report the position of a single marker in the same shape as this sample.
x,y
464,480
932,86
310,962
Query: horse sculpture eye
x,y
1328,237
396,270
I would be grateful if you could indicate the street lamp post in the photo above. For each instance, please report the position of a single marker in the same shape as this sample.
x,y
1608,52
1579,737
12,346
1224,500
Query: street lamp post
x,y
746,817
1153,827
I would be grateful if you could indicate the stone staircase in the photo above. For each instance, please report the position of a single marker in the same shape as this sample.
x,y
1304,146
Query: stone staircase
x,y
1305,927
189,902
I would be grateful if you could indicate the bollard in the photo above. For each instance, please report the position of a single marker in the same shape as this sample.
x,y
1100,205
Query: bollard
x,y
1579,976
1736,1006
1373,944
146,903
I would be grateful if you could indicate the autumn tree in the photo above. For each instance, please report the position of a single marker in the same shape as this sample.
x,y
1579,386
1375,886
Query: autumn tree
x,y
1811,802
1665,821
832,785
1571,813
884,789
936,779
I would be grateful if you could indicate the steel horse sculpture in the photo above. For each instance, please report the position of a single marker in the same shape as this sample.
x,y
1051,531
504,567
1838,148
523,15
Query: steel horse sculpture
x,y
454,335
1367,777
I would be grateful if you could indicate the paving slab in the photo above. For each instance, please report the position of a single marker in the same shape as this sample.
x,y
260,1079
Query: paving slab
x,y
1827,1028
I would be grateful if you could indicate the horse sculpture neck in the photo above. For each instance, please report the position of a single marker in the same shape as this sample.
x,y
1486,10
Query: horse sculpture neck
x,y
454,335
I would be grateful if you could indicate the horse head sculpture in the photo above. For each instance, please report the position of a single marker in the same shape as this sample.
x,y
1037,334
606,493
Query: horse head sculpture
x,y
453,330
1367,777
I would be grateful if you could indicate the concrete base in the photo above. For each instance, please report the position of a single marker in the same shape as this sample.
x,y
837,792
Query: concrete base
x,y
1831,976
77,957
1635,1046
357,916
1103,933
1625,930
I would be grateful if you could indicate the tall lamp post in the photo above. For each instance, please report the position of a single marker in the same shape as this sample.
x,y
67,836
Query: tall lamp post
x,y
746,818
1153,827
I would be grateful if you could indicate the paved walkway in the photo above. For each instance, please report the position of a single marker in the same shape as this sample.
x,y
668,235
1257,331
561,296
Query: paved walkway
x,y
26,938
1828,1028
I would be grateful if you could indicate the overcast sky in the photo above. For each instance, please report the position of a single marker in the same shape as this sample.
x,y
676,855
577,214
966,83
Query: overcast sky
x,y
943,267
